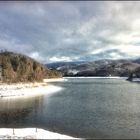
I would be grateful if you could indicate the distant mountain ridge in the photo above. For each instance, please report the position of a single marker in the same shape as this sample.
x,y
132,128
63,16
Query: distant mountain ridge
x,y
123,67
58,64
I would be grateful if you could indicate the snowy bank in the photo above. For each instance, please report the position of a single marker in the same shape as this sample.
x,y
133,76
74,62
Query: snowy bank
x,y
27,89
136,80
30,133
55,80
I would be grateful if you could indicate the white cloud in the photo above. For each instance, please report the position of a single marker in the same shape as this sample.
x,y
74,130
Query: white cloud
x,y
115,55
67,31
130,50
36,56
102,50
62,58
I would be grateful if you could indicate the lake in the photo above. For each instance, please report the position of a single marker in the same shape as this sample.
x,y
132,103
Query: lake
x,y
85,108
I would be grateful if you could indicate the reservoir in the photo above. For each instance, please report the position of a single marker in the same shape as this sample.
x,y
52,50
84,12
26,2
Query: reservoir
x,y
84,108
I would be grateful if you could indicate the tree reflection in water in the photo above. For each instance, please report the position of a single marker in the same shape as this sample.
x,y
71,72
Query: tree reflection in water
x,y
19,112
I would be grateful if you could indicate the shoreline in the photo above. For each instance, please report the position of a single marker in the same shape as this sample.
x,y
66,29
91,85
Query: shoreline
x,y
30,133
26,89
99,77
33,89
55,80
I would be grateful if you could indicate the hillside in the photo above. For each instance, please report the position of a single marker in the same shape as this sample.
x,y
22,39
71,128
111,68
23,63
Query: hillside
x,y
20,68
97,68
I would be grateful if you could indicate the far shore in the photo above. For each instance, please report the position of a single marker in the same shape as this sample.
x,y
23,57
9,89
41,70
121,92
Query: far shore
x,y
38,88
99,77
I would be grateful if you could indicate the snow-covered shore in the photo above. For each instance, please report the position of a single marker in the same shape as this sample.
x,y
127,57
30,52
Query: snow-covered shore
x,y
55,80
30,133
136,80
27,89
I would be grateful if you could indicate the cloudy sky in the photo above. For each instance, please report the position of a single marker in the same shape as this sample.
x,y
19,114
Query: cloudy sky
x,y
50,31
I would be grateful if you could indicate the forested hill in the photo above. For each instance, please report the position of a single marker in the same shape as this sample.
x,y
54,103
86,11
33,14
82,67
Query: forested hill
x,y
20,68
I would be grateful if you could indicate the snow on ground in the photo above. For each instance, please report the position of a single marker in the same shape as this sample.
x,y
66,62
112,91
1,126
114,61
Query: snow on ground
x,y
27,89
30,133
55,80
136,79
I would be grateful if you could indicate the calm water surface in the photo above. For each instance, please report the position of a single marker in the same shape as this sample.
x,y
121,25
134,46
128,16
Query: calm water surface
x,y
86,108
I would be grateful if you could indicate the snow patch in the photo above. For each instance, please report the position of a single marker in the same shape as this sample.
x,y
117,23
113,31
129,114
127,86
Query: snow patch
x,y
136,79
55,80
73,71
30,133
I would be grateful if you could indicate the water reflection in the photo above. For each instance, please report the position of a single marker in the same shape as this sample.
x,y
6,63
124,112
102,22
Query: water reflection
x,y
19,112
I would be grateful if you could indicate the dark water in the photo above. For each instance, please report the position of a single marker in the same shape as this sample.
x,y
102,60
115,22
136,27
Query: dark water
x,y
86,108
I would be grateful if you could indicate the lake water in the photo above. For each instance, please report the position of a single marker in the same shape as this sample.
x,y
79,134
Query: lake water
x,y
85,108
